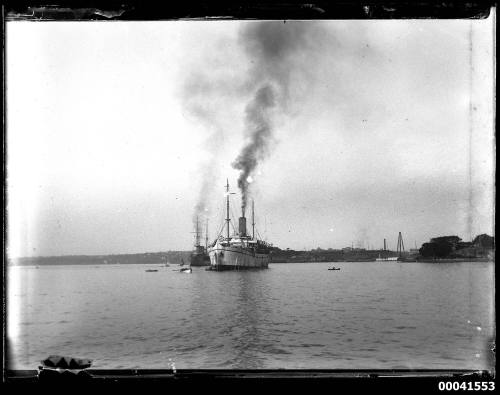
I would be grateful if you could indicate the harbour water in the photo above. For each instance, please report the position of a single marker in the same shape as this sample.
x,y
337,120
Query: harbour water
x,y
368,315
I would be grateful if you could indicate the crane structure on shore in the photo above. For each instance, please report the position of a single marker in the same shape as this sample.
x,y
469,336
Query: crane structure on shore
x,y
401,245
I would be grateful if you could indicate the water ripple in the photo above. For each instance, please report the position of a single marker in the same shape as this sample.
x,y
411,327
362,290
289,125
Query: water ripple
x,y
289,316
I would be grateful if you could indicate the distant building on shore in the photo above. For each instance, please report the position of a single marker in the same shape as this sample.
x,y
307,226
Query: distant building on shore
x,y
353,249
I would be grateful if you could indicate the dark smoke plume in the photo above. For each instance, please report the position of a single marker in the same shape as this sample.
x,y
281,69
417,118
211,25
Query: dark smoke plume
x,y
278,53
259,128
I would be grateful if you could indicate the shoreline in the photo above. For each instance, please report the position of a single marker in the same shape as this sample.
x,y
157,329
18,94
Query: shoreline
x,y
443,260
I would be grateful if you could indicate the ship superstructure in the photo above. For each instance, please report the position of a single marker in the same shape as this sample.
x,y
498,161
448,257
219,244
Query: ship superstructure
x,y
238,251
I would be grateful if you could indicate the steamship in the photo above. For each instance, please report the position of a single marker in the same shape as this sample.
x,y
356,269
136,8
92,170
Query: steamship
x,y
238,251
199,256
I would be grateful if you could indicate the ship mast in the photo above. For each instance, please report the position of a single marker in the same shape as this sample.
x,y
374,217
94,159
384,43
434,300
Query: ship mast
x,y
206,237
253,221
227,207
197,232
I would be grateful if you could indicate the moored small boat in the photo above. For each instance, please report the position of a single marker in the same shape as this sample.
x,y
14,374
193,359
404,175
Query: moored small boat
x,y
385,259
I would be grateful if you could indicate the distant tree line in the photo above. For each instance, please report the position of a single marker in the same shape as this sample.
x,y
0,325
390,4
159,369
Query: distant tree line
x,y
453,246
438,247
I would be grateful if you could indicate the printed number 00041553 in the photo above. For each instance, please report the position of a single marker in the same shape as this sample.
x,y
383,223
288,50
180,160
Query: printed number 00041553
x,y
466,386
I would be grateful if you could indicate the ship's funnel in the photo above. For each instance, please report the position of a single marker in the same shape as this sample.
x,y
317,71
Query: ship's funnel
x,y
243,226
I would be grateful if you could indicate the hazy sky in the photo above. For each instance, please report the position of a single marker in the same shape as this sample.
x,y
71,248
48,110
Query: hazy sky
x,y
118,130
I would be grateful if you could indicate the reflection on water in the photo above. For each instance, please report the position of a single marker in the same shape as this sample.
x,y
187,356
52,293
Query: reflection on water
x,y
252,342
367,315
241,298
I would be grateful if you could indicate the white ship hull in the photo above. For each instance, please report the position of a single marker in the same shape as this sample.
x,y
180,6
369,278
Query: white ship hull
x,y
236,258
240,251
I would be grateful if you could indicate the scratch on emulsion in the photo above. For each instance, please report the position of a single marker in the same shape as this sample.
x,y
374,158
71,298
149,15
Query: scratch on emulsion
x,y
471,130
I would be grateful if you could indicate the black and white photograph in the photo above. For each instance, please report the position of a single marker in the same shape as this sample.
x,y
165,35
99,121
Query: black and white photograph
x,y
233,194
